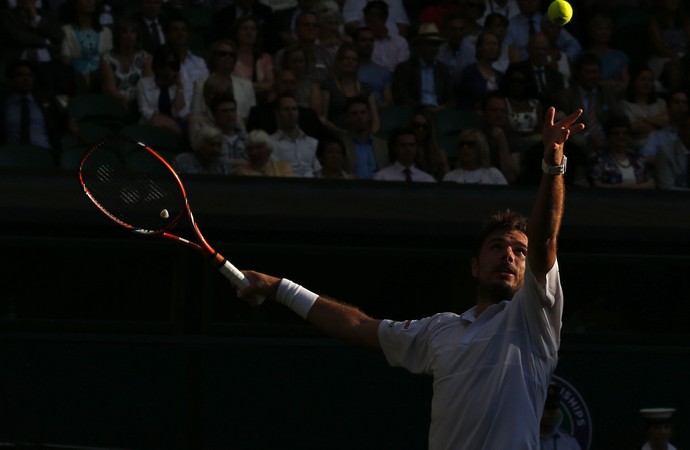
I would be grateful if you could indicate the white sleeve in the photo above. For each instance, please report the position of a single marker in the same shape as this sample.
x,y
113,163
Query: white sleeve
x,y
542,305
408,344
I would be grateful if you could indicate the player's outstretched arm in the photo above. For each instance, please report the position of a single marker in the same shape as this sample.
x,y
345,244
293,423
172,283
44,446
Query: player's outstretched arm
x,y
341,321
545,221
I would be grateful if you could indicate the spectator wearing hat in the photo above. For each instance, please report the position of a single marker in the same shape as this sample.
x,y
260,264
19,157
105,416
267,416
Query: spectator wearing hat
x,y
551,435
423,80
658,428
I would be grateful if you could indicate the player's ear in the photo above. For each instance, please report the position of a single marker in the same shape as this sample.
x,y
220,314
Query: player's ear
x,y
474,265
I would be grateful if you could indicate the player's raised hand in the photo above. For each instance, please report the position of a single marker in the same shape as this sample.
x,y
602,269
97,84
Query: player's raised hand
x,y
556,134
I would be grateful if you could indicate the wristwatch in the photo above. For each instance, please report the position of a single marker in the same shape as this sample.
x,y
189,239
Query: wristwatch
x,y
554,170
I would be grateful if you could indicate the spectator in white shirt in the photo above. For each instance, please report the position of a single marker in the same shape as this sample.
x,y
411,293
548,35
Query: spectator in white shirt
x,y
290,143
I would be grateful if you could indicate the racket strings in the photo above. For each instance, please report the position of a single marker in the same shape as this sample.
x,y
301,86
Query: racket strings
x,y
133,186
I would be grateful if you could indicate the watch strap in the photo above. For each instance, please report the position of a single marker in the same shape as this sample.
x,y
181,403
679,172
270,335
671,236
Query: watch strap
x,y
554,170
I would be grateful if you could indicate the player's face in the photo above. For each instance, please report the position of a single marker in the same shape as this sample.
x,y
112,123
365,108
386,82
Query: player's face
x,y
500,266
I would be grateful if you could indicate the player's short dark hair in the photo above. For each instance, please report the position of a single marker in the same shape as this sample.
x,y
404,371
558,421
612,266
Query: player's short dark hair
x,y
504,220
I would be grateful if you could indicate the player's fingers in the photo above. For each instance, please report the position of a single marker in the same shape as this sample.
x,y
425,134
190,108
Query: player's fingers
x,y
568,120
574,129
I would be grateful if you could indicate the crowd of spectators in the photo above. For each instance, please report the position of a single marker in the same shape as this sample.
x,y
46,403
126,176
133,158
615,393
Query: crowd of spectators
x,y
403,90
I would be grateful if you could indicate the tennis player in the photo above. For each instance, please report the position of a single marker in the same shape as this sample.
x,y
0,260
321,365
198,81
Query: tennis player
x,y
493,363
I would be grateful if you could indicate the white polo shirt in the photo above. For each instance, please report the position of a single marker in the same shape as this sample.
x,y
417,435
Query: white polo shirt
x,y
490,372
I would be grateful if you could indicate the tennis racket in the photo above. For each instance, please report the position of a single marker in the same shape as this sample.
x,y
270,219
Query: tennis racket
x,y
135,187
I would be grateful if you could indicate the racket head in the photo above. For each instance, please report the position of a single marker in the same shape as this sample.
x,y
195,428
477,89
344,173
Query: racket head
x,y
133,185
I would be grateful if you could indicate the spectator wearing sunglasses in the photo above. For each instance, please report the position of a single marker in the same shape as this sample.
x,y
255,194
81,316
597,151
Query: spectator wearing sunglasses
x,y
164,98
473,161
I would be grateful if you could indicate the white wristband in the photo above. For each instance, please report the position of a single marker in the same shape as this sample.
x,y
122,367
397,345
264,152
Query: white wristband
x,y
295,297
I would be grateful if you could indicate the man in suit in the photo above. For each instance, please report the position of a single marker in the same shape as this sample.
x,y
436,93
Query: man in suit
x,y
543,82
262,116
365,154
422,80
29,115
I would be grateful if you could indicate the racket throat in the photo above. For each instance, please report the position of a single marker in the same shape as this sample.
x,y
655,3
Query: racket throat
x,y
217,260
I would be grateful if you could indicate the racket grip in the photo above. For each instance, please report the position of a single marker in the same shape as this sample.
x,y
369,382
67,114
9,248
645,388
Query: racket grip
x,y
237,278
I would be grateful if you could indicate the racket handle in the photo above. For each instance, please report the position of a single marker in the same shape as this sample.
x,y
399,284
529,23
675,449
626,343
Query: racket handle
x,y
237,278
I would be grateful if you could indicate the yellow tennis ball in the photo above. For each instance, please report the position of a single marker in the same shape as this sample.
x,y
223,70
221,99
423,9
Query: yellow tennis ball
x,y
560,12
